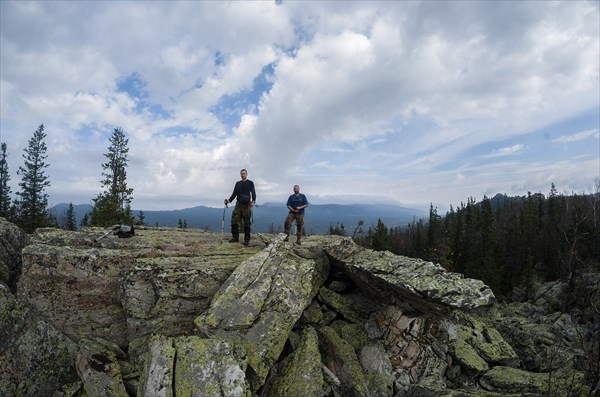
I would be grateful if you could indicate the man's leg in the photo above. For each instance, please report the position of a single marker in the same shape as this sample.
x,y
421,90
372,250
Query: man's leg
x,y
299,226
288,225
247,214
235,220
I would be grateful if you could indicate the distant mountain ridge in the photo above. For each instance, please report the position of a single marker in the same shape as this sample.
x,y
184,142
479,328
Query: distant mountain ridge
x,y
270,216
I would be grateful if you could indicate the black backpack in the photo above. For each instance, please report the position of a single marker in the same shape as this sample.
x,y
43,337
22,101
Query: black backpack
x,y
125,231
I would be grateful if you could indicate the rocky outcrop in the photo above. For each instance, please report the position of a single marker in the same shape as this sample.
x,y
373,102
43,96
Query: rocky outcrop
x,y
123,289
35,357
12,241
179,313
400,280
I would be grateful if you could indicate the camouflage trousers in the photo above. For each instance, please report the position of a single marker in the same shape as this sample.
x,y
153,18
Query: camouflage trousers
x,y
242,213
299,223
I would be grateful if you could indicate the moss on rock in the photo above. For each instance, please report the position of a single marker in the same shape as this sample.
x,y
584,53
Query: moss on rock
x,y
339,356
302,376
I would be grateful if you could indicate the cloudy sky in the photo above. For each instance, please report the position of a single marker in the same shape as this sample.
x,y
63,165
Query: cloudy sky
x,y
404,102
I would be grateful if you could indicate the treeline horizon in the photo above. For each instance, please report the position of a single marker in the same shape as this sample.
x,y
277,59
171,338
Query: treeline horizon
x,y
29,208
507,242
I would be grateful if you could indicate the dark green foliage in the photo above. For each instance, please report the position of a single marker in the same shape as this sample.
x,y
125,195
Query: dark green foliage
x,y
32,205
70,221
4,187
141,218
379,238
508,241
85,221
113,205
337,230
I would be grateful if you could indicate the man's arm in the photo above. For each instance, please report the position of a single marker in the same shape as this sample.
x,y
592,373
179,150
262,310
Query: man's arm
x,y
253,193
304,201
235,192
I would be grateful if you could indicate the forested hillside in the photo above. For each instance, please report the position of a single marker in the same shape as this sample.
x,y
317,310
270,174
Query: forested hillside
x,y
505,241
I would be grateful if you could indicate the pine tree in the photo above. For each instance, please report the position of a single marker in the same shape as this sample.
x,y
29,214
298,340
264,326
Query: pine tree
x,y
85,221
380,240
337,230
113,205
70,222
141,218
33,203
5,200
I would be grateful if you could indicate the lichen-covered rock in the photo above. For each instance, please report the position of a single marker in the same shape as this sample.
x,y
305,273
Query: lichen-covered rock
x,y
302,375
340,358
158,376
76,289
400,280
378,370
539,339
193,366
121,289
209,367
163,295
12,241
386,324
468,357
261,301
514,380
312,314
551,295
477,346
339,304
35,358
98,367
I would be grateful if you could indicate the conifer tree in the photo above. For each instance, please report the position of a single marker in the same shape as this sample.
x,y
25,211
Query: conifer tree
x,y
380,239
5,200
85,221
70,222
33,203
113,205
141,218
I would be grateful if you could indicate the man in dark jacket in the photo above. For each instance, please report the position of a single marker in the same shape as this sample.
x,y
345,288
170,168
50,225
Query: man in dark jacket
x,y
246,197
296,203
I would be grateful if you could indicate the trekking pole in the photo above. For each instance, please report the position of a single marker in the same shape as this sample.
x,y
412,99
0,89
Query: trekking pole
x,y
223,223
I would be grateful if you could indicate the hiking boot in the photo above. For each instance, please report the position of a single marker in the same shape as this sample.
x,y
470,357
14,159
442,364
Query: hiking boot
x,y
234,240
246,242
286,238
298,241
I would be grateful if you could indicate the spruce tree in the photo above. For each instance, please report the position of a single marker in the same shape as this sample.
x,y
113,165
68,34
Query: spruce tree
x,y
70,222
85,221
33,202
113,205
5,200
380,239
141,218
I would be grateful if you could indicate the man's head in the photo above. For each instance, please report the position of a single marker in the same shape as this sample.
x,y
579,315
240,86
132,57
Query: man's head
x,y
296,189
244,174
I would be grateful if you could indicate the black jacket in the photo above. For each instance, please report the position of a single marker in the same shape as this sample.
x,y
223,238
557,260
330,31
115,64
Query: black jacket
x,y
244,191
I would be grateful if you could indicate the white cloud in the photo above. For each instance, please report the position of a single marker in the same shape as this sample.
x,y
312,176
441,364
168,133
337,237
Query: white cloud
x,y
367,99
578,136
505,151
